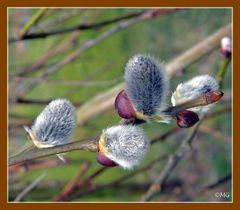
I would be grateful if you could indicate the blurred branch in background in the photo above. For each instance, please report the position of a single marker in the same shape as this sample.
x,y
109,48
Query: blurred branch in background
x,y
71,186
80,27
33,20
22,89
30,187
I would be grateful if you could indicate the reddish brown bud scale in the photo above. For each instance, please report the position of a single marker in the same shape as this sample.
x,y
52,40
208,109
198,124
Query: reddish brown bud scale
x,y
104,160
187,119
213,96
124,106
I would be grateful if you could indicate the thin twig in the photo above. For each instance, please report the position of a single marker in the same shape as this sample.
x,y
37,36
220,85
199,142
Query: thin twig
x,y
215,184
91,188
80,27
172,162
40,102
70,187
22,89
33,20
34,153
30,187
71,82
62,47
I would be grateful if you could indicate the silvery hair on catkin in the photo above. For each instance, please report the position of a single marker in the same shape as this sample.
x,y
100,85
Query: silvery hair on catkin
x,y
194,88
146,83
54,125
127,145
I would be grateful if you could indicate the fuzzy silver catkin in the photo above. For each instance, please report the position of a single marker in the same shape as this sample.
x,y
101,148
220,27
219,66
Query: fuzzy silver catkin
x,y
194,88
127,145
55,124
146,83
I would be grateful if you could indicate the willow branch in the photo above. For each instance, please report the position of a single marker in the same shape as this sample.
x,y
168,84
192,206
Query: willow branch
x,y
87,182
34,153
22,89
60,48
30,187
34,19
80,27
172,162
71,186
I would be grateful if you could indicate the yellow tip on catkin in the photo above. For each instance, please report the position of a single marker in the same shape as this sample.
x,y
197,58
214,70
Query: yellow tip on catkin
x,y
101,144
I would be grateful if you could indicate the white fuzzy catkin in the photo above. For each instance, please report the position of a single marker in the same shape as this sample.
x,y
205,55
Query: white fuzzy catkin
x,y
194,88
55,124
127,145
146,83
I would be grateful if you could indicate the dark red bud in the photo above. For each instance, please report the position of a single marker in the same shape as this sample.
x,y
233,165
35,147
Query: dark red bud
x,y
187,119
213,96
124,106
226,53
104,160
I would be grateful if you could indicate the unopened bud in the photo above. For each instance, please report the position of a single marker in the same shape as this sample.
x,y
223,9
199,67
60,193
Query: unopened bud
x,y
187,119
226,47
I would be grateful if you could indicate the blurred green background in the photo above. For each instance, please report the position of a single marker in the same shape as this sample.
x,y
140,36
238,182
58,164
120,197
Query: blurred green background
x,y
164,37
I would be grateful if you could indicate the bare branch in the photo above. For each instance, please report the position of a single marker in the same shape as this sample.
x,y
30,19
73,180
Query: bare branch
x,y
172,162
71,186
22,89
33,20
80,27
34,153
30,187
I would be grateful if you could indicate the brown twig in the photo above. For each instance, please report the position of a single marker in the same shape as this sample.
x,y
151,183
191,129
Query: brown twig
x,y
34,165
92,188
34,153
172,162
80,27
29,187
39,102
215,184
21,90
62,47
71,186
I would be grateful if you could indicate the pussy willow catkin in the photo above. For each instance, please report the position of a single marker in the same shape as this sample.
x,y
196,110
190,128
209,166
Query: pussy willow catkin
x,y
54,125
146,83
125,145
